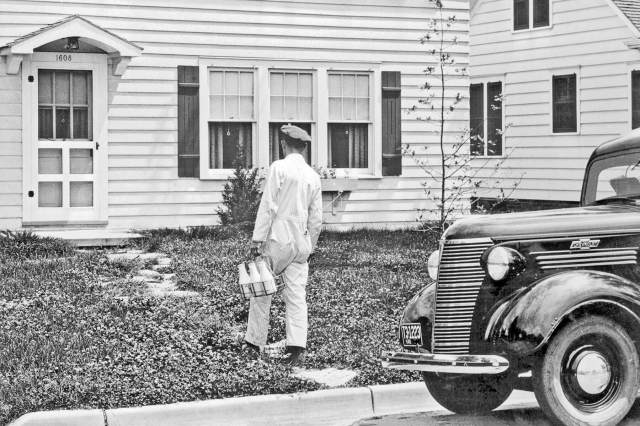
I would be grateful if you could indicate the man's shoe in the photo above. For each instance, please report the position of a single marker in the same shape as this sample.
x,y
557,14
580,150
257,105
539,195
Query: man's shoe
x,y
293,356
250,347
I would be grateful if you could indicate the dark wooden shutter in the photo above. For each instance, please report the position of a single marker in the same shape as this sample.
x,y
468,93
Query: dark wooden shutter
x,y
540,13
565,113
494,118
476,119
520,14
188,122
391,124
635,99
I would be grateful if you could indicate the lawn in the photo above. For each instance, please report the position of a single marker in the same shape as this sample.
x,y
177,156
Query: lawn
x,y
77,332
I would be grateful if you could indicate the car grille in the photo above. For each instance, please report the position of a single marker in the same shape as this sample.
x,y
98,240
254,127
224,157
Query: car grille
x,y
567,259
459,280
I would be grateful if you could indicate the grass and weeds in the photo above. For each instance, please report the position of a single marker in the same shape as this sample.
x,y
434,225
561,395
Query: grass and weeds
x,y
77,332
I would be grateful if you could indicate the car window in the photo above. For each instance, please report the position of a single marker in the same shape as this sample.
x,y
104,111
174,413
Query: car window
x,y
617,176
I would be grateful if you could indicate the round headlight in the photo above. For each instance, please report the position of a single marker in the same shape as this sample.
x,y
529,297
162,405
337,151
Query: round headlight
x,y
433,263
499,263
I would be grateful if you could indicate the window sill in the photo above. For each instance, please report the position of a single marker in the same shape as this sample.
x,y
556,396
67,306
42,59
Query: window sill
x,y
531,30
489,157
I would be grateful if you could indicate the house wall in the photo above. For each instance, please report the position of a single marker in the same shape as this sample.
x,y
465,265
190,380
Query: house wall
x,y
10,150
144,188
587,37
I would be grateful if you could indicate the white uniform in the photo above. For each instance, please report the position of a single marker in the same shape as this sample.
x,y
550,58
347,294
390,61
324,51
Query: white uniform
x,y
289,221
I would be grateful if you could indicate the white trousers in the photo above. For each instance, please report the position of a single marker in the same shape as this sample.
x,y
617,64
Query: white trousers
x,y
295,299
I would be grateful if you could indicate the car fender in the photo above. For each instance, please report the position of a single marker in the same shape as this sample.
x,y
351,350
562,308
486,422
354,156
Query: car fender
x,y
524,322
422,305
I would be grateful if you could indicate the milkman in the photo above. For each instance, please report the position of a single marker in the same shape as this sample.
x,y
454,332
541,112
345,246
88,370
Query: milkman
x,y
286,232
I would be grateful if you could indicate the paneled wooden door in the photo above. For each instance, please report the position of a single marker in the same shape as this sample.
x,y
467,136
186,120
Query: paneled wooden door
x,y
65,139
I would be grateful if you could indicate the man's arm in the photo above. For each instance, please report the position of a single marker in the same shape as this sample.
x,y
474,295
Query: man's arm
x,y
314,223
268,206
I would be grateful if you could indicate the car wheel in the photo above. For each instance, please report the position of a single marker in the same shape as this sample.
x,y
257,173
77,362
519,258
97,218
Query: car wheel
x,y
469,394
588,374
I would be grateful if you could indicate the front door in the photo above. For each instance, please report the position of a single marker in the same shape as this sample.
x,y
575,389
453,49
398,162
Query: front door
x,y
65,139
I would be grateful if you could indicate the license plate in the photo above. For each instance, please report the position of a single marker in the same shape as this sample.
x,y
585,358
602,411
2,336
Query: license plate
x,y
411,334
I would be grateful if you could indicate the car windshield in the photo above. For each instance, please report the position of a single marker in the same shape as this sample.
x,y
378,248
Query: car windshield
x,y
614,179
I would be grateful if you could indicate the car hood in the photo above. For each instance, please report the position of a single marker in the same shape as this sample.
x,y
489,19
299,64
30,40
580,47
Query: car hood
x,y
615,218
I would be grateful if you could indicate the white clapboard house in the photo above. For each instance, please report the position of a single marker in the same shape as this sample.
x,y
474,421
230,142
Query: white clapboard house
x,y
569,72
129,114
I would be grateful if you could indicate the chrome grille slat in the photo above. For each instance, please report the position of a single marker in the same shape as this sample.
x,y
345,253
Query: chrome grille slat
x,y
566,259
459,280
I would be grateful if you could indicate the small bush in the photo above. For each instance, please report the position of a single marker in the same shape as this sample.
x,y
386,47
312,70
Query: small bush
x,y
241,196
27,245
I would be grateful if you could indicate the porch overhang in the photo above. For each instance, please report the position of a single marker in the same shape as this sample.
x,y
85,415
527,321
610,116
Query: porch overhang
x,y
119,50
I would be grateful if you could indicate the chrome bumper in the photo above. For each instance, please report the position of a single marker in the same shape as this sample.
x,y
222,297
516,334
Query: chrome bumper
x,y
438,363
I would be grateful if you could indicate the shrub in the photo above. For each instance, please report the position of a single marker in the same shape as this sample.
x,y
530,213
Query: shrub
x,y
241,196
26,244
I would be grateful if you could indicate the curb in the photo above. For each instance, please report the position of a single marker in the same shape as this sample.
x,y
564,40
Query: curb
x,y
341,406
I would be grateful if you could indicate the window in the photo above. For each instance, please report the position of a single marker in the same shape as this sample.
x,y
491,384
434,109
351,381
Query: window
x,y
64,99
565,114
529,14
635,99
231,116
291,102
486,113
349,120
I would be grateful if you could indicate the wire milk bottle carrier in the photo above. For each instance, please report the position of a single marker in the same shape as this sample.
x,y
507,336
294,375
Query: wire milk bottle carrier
x,y
256,279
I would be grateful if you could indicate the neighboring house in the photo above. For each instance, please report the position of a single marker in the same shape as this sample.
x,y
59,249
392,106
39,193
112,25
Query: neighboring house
x,y
131,114
569,72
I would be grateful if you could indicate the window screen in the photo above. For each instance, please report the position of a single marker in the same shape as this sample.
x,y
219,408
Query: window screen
x,y
540,13
635,99
494,118
520,14
565,117
476,122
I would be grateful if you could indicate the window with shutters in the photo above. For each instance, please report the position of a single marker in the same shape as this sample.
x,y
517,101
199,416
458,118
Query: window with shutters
x,y
635,99
531,14
565,112
290,102
352,115
486,119
349,120
231,118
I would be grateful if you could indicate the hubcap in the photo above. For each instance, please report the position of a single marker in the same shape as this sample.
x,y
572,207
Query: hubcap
x,y
593,372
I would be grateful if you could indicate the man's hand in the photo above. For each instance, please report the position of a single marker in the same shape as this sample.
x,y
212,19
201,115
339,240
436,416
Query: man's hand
x,y
256,248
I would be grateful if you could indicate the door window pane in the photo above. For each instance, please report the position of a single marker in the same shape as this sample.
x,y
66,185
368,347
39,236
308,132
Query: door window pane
x,y
64,104
81,161
230,143
81,194
50,194
62,91
291,96
348,145
275,148
49,161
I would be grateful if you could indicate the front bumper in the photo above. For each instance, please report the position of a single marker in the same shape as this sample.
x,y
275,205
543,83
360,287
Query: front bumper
x,y
439,363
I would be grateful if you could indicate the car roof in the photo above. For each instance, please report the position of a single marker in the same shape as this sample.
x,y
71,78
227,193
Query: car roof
x,y
630,141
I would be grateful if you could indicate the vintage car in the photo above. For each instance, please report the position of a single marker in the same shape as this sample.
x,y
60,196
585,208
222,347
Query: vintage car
x,y
547,301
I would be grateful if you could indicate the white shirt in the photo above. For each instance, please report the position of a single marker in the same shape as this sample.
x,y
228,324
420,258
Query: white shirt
x,y
290,213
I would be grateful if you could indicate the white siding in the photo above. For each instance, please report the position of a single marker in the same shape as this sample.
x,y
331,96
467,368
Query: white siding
x,y
588,37
144,190
10,150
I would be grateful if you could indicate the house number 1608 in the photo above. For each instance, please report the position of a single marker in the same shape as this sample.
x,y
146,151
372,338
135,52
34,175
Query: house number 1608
x,y
63,58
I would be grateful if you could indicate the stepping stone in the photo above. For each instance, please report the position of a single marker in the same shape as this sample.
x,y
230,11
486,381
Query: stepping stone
x,y
150,274
331,377
134,255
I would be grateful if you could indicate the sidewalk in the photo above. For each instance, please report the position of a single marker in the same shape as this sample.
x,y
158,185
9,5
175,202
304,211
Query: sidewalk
x,y
342,406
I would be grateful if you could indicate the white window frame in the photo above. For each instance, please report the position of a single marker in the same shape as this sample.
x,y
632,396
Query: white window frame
x,y
314,110
531,28
557,73
344,172
206,120
262,116
485,119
